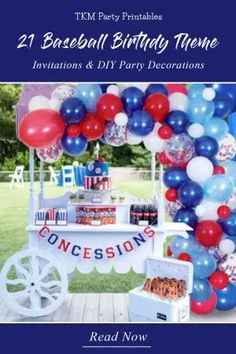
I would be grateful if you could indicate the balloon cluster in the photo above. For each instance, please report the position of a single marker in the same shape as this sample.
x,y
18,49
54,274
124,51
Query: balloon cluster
x,y
200,177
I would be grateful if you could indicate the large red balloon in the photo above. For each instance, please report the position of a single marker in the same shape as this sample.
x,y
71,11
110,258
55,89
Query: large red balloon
x,y
172,88
93,126
108,106
219,280
205,307
208,233
157,105
41,128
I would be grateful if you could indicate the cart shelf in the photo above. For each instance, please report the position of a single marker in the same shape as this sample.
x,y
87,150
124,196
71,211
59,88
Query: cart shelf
x,y
117,228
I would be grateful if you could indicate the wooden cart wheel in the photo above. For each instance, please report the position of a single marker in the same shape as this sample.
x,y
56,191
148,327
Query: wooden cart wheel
x,y
33,283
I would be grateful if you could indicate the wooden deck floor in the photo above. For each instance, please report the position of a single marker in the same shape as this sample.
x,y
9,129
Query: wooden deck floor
x,y
103,307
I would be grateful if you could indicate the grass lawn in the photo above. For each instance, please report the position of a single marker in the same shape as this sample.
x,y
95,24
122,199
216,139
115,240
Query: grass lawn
x,y
13,219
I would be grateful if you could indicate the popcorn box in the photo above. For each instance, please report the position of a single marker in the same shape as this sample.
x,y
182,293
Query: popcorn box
x,y
40,218
62,216
148,307
51,217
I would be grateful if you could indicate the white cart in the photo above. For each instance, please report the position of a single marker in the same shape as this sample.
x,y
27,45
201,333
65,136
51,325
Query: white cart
x,y
34,281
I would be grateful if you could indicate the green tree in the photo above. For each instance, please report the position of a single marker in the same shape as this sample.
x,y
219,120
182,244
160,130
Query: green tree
x,y
9,95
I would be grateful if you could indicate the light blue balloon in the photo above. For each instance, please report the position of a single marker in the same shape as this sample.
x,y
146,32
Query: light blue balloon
x,y
230,169
195,90
218,188
179,245
200,110
201,290
204,264
216,128
89,94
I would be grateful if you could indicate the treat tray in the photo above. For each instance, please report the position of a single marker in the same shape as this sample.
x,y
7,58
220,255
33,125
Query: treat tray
x,y
82,189
119,228
84,204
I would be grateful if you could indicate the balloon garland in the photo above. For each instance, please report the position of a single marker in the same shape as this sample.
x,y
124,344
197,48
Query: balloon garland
x,y
187,126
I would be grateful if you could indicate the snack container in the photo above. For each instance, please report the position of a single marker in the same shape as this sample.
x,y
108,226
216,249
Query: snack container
x,y
148,307
40,218
61,216
51,216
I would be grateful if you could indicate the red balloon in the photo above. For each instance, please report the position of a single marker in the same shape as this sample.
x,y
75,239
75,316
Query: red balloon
x,y
41,128
74,130
172,88
171,195
108,106
165,132
208,233
219,280
168,252
157,105
223,212
163,159
93,126
205,307
184,257
218,170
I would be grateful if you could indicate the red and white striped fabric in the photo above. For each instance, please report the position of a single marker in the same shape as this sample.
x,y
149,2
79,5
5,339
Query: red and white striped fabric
x,y
89,181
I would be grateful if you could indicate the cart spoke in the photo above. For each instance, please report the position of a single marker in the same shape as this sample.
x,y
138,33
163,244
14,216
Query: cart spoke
x,y
45,270
34,266
50,284
17,281
35,301
20,269
19,294
46,295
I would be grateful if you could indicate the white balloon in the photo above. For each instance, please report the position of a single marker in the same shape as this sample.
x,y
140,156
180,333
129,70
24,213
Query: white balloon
x,y
199,169
152,141
133,139
227,246
200,210
208,94
207,210
55,104
121,119
38,102
196,130
178,102
113,89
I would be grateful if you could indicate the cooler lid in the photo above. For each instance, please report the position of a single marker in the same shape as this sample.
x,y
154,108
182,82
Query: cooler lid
x,y
170,268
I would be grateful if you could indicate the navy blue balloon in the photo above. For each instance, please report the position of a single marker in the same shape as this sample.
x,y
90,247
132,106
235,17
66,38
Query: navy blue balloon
x,y
104,87
190,194
178,121
225,89
74,146
132,98
206,146
186,215
201,290
73,110
140,123
174,177
226,298
224,105
156,88
229,225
